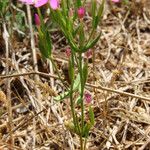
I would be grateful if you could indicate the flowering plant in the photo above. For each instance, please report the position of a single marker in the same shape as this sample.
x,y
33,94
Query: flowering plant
x,y
70,17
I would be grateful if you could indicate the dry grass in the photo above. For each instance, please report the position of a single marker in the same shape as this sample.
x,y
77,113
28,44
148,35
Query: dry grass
x,y
119,80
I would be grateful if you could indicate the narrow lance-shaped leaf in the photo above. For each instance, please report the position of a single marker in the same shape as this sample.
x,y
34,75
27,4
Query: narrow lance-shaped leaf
x,y
66,94
71,70
59,19
78,3
45,45
99,15
93,12
62,96
88,125
64,9
91,115
85,73
91,43
81,35
76,30
86,130
1,6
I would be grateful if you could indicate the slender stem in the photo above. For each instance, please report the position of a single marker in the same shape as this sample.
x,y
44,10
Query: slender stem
x,y
85,144
71,95
81,96
81,143
82,90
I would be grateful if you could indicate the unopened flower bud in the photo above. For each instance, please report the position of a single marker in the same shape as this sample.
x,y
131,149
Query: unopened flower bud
x,y
88,97
81,12
37,19
68,52
88,54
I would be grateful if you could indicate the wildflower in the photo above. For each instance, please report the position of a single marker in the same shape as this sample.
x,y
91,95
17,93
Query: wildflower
x,y
36,3
88,97
39,3
115,1
68,52
81,12
88,54
29,2
54,4
37,20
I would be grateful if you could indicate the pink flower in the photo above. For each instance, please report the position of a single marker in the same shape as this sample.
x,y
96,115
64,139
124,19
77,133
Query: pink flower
x,y
36,3
68,52
54,4
115,1
39,3
81,12
37,20
29,2
88,54
88,97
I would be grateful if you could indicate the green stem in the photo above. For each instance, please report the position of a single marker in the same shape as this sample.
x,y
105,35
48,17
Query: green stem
x,y
82,90
81,96
81,143
71,96
85,144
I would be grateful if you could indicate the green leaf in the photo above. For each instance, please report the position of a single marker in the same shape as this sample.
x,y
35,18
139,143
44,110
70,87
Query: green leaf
x,y
62,96
64,8
88,125
79,100
78,3
71,127
93,11
91,43
71,70
99,15
125,2
70,25
67,93
86,130
59,19
66,26
81,35
85,73
1,6
45,45
76,82
91,115
76,31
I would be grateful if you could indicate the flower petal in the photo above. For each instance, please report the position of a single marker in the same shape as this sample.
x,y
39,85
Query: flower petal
x,y
54,4
29,2
39,3
115,1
